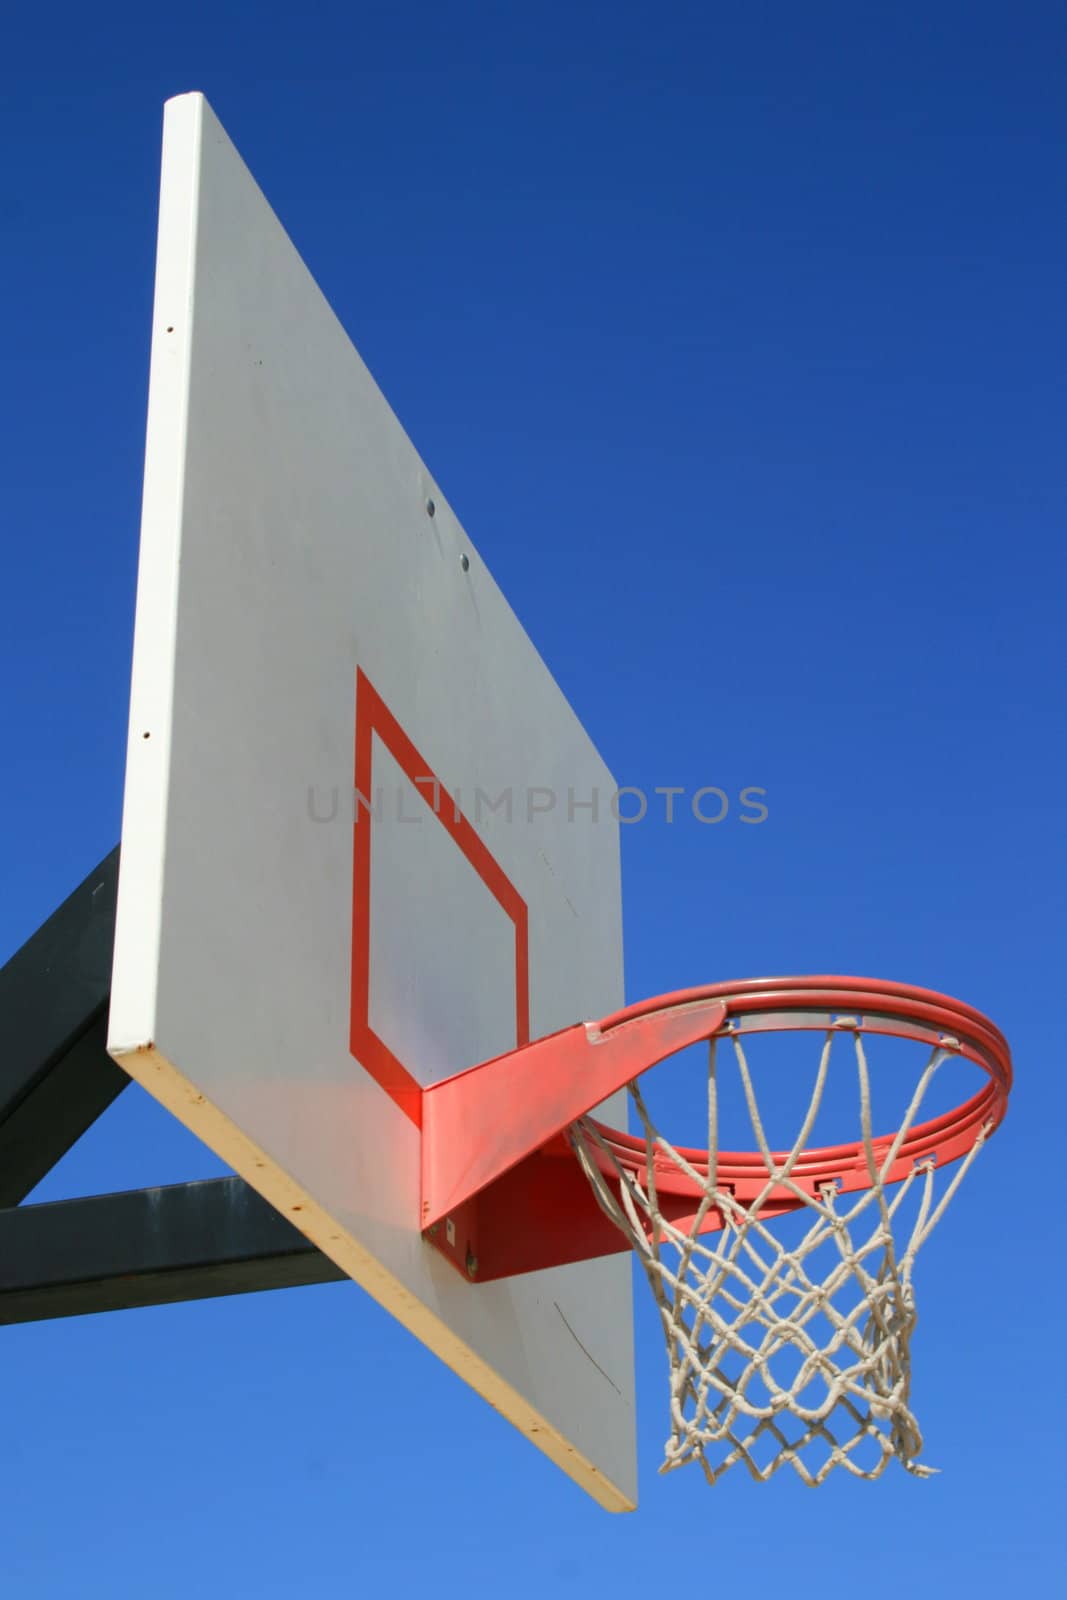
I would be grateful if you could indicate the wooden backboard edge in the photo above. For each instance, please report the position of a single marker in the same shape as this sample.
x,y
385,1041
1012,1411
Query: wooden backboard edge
x,y
162,1080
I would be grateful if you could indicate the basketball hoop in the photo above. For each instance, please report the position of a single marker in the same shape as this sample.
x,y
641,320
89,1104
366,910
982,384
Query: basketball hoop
x,y
779,1352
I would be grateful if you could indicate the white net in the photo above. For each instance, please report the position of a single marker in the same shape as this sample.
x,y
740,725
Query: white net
x,y
782,1352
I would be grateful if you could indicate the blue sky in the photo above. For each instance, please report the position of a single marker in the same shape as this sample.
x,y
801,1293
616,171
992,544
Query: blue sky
x,y
734,336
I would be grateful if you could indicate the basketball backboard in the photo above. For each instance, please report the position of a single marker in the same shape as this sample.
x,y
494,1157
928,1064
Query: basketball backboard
x,y
354,854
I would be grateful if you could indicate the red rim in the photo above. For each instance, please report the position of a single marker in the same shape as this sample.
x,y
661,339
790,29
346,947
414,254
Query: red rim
x,y
864,1005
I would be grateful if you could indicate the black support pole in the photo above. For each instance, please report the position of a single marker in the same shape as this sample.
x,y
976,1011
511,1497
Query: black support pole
x,y
188,1241
56,1077
149,1247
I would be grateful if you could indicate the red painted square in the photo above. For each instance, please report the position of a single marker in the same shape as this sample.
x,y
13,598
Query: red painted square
x,y
373,717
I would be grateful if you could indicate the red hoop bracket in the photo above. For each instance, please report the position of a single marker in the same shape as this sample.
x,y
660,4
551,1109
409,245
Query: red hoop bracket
x,y
503,1194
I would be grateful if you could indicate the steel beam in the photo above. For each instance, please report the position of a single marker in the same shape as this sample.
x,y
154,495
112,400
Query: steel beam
x,y
56,1076
149,1247
189,1241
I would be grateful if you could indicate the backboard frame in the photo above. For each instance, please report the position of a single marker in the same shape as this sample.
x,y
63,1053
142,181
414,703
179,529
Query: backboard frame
x,y
288,561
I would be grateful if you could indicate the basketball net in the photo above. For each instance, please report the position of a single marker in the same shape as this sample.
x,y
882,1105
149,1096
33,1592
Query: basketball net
x,y
779,1354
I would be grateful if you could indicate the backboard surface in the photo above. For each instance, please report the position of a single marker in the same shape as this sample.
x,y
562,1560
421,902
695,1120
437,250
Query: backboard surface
x,y
350,861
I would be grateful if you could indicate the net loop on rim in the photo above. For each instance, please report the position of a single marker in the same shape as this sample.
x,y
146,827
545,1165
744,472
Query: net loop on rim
x,y
797,1352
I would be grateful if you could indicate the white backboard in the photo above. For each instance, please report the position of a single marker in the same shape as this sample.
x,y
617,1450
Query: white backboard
x,y
290,964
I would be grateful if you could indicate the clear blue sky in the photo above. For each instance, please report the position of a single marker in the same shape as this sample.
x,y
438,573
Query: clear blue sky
x,y
735,336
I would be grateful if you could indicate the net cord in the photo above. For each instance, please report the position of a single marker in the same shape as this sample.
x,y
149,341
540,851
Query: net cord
x,y
720,1295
